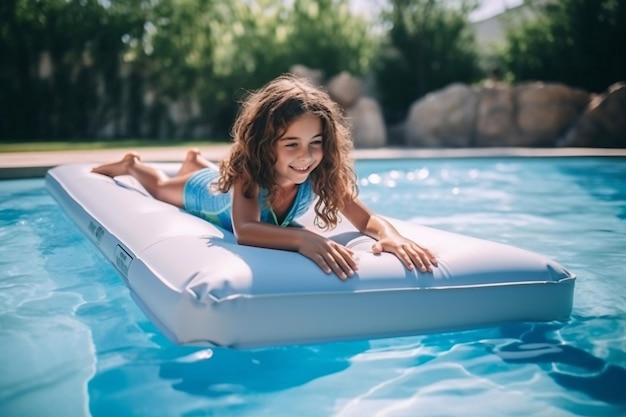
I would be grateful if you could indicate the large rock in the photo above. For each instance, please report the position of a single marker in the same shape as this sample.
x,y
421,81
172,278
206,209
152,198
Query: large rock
x,y
367,123
313,75
495,117
545,112
603,124
345,89
531,114
443,118
364,113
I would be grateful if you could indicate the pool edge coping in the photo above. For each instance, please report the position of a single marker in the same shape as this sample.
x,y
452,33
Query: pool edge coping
x,y
18,165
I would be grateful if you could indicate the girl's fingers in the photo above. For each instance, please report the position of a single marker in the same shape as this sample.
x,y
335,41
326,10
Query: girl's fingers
x,y
431,257
341,261
421,258
332,257
349,257
406,259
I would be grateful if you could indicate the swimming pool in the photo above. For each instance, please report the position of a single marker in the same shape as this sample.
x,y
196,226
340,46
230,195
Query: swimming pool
x,y
73,343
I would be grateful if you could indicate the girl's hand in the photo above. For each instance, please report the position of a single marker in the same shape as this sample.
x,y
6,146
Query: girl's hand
x,y
410,253
330,256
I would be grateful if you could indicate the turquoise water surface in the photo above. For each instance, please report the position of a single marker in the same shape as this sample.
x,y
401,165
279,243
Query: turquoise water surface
x,y
73,343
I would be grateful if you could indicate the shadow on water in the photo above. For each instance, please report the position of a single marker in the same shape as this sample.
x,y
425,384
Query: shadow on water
x,y
132,375
229,371
570,367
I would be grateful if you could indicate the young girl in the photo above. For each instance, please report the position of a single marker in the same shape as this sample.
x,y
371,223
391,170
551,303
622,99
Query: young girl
x,y
291,150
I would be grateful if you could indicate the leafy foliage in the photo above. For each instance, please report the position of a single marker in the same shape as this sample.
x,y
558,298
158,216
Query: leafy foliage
x,y
121,68
176,68
257,40
429,46
581,43
57,56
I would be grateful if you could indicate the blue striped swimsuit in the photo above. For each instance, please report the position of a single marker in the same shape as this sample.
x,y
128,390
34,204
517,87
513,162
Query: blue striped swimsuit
x,y
214,206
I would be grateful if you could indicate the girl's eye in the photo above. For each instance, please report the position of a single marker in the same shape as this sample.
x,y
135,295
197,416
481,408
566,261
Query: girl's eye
x,y
291,145
317,142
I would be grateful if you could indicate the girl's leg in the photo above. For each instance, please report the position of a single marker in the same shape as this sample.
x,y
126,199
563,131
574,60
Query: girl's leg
x,y
159,185
194,162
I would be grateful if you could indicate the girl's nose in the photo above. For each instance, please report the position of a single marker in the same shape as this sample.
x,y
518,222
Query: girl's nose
x,y
305,153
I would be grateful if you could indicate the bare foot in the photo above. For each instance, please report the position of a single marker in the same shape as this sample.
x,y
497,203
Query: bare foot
x,y
193,162
120,167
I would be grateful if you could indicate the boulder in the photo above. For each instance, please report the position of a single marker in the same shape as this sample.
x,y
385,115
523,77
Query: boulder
x,y
530,114
345,89
367,123
443,118
603,123
495,117
313,75
545,112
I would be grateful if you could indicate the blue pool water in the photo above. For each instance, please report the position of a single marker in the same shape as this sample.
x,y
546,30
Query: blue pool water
x,y
73,343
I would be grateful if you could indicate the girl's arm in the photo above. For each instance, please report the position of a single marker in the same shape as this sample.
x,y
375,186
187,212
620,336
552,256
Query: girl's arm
x,y
388,238
330,256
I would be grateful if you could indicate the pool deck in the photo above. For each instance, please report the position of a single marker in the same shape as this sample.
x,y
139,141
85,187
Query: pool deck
x,y
15,165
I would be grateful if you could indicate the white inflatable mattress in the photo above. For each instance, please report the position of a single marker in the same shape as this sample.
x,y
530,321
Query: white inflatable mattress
x,y
198,286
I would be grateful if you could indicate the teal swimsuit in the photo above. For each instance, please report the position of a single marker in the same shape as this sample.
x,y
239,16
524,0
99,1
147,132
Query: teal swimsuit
x,y
214,206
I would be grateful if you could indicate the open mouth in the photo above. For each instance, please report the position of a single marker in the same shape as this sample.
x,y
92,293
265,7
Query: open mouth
x,y
305,169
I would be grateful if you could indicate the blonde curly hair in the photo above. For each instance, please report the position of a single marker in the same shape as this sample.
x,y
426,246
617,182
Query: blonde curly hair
x,y
263,118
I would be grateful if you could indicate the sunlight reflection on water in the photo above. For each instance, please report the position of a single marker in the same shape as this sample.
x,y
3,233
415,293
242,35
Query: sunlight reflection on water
x,y
73,343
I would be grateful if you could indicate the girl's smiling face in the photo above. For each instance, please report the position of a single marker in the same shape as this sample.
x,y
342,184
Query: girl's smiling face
x,y
299,151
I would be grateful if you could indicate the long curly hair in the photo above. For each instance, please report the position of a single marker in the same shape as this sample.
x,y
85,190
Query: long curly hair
x,y
263,118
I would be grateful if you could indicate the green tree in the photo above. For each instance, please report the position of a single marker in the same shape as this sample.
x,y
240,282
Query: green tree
x,y
429,45
171,61
59,65
83,68
581,43
257,40
326,35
